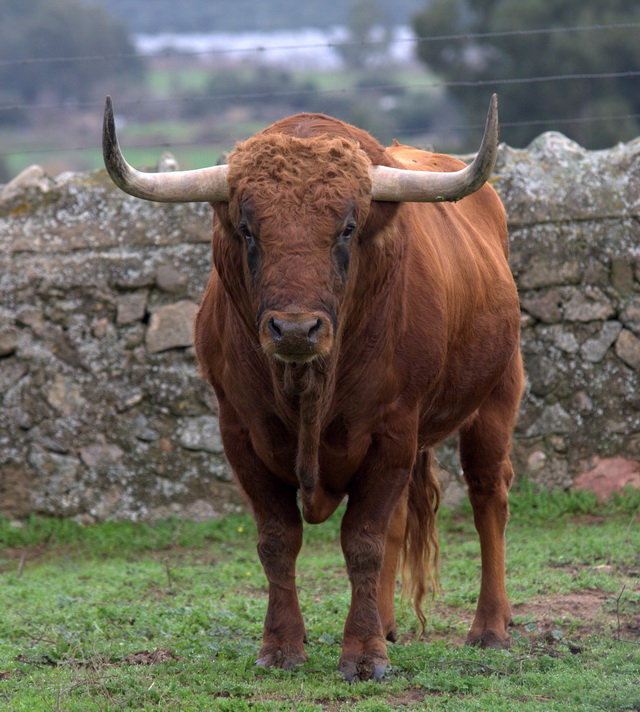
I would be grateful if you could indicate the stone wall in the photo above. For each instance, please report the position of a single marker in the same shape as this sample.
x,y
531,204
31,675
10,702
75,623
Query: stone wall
x,y
575,253
103,414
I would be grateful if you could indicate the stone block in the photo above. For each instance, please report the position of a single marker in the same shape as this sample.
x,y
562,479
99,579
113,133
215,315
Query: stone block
x,y
9,338
171,327
200,433
131,307
590,305
628,349
609,475
545,307
595,350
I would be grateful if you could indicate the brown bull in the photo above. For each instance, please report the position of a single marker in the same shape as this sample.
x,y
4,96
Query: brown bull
x,y
346,332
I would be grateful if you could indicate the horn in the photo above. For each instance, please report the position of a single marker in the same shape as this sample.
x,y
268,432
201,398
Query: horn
x,y
399,185
201,185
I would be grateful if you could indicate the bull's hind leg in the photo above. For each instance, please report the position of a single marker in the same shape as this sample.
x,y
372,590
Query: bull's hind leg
x,y
484,453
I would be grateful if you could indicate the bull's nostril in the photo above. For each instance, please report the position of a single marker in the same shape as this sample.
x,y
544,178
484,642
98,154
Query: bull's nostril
x,y
315,328
274,328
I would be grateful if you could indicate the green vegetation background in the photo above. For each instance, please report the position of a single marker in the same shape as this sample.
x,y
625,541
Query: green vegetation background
x,y
125,616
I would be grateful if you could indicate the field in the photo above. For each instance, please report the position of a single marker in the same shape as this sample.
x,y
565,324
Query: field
x,y
122,616
199,111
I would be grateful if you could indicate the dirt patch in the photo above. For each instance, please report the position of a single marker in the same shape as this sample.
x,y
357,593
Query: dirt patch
x,y
150,657
16,557
583,612
587,606
578,614
410,697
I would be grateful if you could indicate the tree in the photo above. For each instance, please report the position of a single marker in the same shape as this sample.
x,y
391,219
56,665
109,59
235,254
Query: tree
x,y
33,29
366,47
491,58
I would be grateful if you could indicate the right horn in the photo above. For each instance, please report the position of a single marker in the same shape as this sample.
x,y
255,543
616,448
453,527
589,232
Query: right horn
x,y
200,185
399,185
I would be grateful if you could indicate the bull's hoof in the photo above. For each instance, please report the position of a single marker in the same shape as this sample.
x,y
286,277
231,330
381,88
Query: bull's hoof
x,y
366,667
488,639
285,658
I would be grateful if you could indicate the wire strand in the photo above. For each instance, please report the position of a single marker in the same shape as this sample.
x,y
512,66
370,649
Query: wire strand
x,y
261,49
342,90
214,145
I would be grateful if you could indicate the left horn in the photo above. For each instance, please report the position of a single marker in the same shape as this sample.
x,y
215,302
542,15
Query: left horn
x,y
201,185
399,185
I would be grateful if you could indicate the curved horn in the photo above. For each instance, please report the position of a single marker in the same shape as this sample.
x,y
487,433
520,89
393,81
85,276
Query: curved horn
x,y
201,185
399,185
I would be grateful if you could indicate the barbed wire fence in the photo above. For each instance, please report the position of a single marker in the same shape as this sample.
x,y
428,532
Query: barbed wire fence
x,y
260,50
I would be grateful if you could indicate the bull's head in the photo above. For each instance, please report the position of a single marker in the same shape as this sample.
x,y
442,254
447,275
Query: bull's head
x,y
289,210
295,205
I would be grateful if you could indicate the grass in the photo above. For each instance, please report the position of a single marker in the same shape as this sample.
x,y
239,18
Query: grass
x,y
122,616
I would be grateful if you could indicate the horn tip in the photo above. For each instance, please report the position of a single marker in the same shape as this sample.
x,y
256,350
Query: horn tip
x,y
493,126
493,107
108,106
110,151
109,124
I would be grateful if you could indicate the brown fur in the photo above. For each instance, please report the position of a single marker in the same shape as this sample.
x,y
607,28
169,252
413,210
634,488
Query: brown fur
x,y
417,339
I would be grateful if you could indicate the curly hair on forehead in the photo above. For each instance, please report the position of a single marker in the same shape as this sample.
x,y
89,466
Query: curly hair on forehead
x,y
300,167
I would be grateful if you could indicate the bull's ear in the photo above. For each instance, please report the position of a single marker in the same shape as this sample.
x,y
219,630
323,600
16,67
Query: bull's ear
x,y
400,185
381,216
201,185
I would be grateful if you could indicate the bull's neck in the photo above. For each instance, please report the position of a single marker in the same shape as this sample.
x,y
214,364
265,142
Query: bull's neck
x,y
306,394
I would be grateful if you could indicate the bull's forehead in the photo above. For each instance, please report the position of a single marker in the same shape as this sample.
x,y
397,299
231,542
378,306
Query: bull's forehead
x,y
328,172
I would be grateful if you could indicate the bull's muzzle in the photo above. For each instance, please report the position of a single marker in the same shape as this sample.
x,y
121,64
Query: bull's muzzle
x,y
295,337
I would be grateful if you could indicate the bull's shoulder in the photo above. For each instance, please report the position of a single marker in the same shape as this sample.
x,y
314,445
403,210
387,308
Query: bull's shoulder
x,y
417,159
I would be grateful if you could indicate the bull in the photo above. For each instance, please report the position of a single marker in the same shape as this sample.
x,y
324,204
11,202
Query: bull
x,y
356,316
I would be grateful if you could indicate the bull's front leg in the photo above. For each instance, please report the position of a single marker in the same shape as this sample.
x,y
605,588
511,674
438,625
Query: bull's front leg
x,y
275,510
372,500
280,539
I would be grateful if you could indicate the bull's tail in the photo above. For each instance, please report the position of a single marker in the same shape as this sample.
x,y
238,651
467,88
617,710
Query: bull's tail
x,y
421,551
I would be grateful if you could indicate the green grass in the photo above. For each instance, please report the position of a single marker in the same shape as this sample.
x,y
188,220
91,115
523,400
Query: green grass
x,y
79,602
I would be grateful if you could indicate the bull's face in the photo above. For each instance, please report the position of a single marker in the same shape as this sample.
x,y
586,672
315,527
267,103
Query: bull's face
x,y
293,223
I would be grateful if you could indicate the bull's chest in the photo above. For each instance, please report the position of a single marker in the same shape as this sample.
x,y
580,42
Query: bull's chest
x,y
341,450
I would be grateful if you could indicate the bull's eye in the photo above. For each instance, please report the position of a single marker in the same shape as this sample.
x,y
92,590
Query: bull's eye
x,y
249,239
342,247
348,231
252,252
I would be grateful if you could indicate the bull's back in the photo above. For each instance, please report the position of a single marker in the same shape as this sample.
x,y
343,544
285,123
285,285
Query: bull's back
x,y
417,159
482,207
